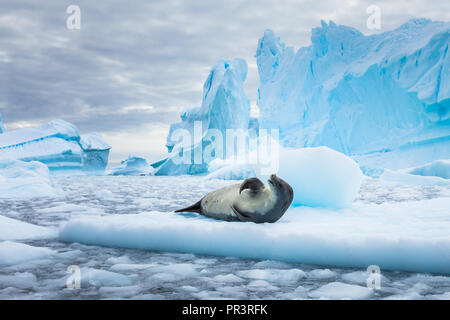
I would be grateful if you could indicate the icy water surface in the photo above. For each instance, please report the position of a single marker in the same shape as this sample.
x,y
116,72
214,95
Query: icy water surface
x,y
139,274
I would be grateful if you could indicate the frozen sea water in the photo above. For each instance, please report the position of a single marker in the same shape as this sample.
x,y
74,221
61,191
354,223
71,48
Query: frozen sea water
x,y
141,274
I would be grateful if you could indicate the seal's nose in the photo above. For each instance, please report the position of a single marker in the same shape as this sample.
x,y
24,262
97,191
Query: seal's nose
x,y
273,176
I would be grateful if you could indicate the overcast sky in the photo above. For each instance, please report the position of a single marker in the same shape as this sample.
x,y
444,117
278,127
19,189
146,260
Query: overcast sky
x,y
133,65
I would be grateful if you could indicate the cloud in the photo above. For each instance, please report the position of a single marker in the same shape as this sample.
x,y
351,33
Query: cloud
x,y
150,53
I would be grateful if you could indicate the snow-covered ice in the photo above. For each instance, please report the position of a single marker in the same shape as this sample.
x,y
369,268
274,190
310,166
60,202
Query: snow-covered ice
x,y
19,179
15,252
339,290
12,229
409,236
149,274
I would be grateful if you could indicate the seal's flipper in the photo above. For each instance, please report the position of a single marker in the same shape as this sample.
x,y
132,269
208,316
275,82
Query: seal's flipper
x,y
240,215
194,208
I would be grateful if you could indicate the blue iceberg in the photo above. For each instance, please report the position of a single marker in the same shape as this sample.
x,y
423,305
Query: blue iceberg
x,y
383,99
132,166
224,106
57,144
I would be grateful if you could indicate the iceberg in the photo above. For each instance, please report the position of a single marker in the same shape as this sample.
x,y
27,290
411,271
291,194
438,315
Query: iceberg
x,y
224,106
58,145
383,99
132,166
96,152
320,177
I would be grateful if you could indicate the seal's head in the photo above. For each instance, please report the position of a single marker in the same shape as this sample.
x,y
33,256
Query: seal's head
x,y
283,191
268,203
253,185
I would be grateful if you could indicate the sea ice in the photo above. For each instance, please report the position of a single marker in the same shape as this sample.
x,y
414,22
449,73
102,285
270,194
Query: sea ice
x,y
322,274
14,253
19,179
339,290
101,278
12,229
410,235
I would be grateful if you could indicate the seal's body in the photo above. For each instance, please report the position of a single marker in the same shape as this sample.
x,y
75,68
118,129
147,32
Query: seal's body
x,y
249,201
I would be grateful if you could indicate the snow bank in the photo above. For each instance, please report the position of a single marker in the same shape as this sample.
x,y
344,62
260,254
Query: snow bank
x,y
19,179
411,236
14,253
132,166
12,229
320,177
